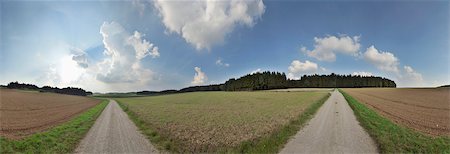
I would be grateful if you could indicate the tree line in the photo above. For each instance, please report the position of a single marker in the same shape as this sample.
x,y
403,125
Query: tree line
x,y
340,81
67,90
276,80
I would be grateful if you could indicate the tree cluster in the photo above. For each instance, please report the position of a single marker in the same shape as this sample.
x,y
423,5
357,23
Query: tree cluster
x,y
214,87
67,90
17,85
257,81
339,81
156,92
275,80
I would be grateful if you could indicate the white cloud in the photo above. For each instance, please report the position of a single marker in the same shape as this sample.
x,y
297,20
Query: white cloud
x,y
142,46
204,23
410,77
121,70
125,51
256,71
298,67
384,61
362,74
80,57
200,77
412,73
140,5
50,77
221,63
325,49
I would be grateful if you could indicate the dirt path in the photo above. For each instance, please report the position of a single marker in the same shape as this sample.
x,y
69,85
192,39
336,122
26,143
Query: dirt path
x,y
114,132
334,129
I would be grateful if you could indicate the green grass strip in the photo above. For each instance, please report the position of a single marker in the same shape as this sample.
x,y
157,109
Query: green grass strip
x,y
269,144
393,138
60,139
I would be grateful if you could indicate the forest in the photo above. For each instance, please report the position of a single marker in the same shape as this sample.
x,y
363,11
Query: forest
x,y
276,80
250,82
67,90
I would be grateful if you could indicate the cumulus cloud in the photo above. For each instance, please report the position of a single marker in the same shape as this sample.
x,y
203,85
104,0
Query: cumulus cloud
x,y
410,77
362,74
80,57
199,77
221,63
204,23
142,46
387,62
412,74
383,60
325,49
298,67
125,52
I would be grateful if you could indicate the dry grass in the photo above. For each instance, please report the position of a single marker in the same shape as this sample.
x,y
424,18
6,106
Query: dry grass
x,y
216,121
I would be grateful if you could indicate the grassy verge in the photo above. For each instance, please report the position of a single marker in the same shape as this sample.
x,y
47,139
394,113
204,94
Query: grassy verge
x,y
270,143
60,139
393,138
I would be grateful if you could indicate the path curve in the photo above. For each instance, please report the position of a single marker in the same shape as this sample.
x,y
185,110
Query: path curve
x,y
334,129
114,132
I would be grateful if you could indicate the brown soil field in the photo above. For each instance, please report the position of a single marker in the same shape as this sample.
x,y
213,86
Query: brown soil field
x,y
23,113
426,110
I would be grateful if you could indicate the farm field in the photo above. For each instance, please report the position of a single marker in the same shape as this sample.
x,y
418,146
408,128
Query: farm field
x,y
217,121
23,113
424,110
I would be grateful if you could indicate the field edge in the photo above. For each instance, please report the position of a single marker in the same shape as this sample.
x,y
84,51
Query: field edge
x,y
60,139
393,138
271,143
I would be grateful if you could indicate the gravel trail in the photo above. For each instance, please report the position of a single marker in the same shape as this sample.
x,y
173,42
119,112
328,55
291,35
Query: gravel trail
x,y
114,132
334,129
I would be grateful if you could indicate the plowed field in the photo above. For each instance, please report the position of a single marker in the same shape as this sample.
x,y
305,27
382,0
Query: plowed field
x,y
425,110
23,113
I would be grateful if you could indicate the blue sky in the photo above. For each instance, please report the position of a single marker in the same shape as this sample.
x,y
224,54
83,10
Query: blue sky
x,y
155,45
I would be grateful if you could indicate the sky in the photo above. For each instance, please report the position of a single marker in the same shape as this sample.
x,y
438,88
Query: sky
x,y
120,46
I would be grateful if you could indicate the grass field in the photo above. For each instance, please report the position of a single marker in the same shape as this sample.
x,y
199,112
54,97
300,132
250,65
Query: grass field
x,y
394,138
222,121
60,139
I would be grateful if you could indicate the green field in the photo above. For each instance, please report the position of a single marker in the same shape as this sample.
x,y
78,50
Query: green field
x,y
222,121
60,139
393,138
